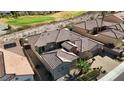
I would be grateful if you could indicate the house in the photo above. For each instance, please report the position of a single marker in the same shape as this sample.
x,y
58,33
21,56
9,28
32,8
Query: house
x,y
14,66
92,26
59,49
104,34
117,17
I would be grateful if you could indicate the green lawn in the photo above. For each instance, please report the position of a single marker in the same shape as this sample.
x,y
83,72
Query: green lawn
x,y
36,19
21,21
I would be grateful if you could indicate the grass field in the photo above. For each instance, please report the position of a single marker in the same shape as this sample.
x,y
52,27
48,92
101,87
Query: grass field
x,y
37,19
28,20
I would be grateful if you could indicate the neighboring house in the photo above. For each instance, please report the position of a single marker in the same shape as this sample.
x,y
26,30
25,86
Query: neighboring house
x,y
117,17
14,67
92,25
59,49
13,64
64,38
105,35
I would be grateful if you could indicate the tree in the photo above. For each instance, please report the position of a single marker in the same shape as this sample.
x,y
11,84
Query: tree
x,y
83,65
14,14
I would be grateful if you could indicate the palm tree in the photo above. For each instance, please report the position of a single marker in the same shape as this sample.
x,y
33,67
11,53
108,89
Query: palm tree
x,y
103,14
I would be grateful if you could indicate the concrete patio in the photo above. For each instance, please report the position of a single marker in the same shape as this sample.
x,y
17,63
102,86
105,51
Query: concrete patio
x,y
106,62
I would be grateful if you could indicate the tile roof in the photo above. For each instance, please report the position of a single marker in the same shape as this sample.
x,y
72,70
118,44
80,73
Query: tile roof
x,y
119,15
56,36
17,49
110,33
46,37
66,56
16,64
52,60
68,45
85,44
94,23
63,35
55,58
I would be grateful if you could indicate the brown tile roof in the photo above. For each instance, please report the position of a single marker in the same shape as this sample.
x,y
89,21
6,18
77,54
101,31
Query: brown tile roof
x,y
52,61
63,35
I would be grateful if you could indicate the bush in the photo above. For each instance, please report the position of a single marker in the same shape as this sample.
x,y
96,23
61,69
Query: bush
x,y
90,75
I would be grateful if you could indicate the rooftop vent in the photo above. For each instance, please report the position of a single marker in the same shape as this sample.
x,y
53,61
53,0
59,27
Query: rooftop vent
x,y
10,45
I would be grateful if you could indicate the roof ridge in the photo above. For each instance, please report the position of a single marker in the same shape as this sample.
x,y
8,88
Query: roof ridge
x,y
69,53
49,53
57,36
